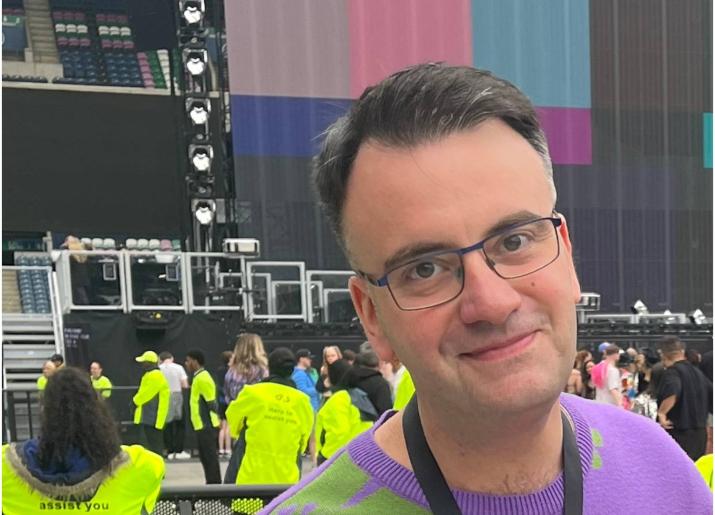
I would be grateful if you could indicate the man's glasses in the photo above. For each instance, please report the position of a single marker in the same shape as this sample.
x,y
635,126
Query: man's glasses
x,y
438,277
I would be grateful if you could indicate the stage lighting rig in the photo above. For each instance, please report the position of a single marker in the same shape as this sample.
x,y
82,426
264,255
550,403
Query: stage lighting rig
x,y
204,211
195,59
697,317
192,12
198,111
639,308
201,157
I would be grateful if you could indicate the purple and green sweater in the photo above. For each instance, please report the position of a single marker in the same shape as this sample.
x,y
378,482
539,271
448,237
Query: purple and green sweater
x,y
630,465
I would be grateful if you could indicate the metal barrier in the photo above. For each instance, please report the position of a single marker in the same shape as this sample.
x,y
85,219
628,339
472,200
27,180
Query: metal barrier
x,y
270,291
21,411
216,499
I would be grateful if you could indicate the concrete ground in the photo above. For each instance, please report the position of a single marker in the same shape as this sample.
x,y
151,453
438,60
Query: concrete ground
x,y
189,472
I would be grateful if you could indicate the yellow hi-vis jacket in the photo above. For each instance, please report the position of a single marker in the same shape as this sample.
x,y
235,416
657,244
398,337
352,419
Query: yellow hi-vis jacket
x,y
276,421
132,488
337,423
103,385
152,399
41,383
705,467
404,391
203,401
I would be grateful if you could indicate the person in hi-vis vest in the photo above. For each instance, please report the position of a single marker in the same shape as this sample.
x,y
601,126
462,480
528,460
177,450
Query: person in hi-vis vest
x,y
272,421
152,402
79,467
204,414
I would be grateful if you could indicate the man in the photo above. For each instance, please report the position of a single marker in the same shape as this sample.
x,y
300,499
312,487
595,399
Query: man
x,y
58,360
100,382
204,415
152,402
684,399
439,186
48,369
272,421
607,377
302,379
366,376
175,428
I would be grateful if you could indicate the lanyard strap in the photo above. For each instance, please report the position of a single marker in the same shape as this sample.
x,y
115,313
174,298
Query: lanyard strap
x,y
434,486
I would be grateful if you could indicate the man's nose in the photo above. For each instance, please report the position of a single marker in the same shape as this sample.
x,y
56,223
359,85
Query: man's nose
x,y
486,296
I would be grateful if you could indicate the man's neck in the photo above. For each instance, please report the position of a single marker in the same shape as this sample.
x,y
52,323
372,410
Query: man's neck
x,y
503,454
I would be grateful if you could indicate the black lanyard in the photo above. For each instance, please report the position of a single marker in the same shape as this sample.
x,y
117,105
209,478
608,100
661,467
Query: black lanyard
x,y
439,496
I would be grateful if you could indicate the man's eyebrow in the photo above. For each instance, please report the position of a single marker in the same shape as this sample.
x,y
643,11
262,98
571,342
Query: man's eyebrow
x,y
512,219
414,250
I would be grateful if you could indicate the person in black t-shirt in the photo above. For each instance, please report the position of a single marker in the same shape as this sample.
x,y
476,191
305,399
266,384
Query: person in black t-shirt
x,y
684,399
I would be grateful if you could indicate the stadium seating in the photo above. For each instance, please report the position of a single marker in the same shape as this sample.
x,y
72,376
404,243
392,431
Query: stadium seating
x,y
13,31
33,285
95,49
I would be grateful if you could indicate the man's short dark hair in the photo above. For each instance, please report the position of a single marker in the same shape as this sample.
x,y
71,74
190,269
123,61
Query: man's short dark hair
x,y
281,362
349,355
670,346
418,105
197,355
367,359
57,358
165,355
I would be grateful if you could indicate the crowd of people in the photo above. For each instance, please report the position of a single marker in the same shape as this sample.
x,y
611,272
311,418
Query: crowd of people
x,y
671,385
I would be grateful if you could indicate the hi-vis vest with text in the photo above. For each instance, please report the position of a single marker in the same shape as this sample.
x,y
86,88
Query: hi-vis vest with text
x,y
276,421
132,489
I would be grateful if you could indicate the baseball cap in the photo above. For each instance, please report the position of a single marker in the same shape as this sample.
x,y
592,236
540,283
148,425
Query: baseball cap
x,y
281,362
603,346
148,357
304,353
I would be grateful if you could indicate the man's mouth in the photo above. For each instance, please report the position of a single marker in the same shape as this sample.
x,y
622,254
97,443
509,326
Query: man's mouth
x,y
503,349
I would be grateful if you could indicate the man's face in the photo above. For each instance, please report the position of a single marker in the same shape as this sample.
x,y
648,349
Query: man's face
x,y
190,364
451,194
95,370
48,368
305,362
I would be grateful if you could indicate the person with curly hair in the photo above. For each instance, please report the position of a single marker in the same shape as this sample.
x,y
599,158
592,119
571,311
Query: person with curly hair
x,y
78,462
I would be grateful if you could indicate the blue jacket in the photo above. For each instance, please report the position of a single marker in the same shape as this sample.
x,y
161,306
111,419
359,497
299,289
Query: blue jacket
x,y
305,384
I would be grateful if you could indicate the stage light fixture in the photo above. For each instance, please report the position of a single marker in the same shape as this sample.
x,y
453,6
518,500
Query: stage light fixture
x,y
204,211
198,110
201,157
195,61
193,11
639,308
697,317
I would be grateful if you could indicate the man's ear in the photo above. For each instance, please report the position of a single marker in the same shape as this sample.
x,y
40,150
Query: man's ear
x,y
567,249
367,312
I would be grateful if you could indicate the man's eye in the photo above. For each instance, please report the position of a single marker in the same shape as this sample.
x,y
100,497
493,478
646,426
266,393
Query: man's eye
x,y
424,270
514,242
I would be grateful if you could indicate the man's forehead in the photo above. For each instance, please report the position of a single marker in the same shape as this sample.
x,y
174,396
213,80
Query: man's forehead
x,y
441,191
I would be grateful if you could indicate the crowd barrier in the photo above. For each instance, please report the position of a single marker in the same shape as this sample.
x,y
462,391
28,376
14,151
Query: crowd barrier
x,y
216,499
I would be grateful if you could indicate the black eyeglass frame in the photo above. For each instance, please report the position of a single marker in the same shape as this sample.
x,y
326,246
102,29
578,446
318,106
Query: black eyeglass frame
x,y
381,282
